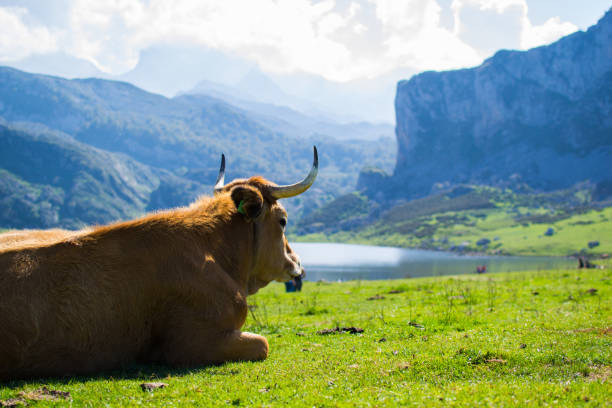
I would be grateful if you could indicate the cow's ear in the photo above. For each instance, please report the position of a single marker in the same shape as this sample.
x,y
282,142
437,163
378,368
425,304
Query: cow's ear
x,y
248,201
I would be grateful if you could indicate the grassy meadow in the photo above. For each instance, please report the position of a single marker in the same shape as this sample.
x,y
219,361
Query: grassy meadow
x,y
512,226
529,339
571,235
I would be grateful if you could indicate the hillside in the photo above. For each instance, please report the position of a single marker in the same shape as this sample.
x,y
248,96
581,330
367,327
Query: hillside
x,y
119,117
540,118
469,219
49,180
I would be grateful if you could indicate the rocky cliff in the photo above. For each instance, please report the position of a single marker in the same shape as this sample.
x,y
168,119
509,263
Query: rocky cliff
x,y
540,118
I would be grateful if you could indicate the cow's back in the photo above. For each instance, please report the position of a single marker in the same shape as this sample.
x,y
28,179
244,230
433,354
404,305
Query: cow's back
x,y
72,306
33,238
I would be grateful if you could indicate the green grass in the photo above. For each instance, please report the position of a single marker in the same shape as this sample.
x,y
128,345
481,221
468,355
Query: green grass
x,y
531,338
571,234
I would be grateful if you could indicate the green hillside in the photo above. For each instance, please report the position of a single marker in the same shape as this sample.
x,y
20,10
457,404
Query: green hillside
x,y
47,180
473,219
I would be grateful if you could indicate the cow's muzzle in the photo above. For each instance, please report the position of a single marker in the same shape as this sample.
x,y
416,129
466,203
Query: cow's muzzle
x,y
298,270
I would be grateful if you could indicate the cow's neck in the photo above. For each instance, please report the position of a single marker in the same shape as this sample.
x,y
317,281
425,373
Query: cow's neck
x,y
236,251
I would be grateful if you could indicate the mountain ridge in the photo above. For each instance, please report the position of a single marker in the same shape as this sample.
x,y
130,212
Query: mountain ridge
x,y
181,137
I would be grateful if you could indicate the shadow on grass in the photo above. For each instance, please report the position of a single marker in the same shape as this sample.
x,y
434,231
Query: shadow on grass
x,y
144,372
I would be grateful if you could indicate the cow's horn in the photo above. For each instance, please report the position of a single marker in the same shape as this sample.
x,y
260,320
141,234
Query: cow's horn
x,y
298,188
221,178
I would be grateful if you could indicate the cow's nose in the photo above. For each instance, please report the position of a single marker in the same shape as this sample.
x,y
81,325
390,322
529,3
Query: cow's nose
x,y
297,269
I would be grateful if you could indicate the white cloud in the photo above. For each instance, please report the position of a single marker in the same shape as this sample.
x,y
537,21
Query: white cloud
x,y
105,32
551,30
359,28
514,12
407,15
415,38
17,40
498,5
364,38
432,49
280,36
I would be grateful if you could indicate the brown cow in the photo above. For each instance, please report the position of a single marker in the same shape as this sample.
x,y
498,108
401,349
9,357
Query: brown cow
x,y
170,287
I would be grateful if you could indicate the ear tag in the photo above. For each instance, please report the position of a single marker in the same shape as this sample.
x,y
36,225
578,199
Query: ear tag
x,y
241,208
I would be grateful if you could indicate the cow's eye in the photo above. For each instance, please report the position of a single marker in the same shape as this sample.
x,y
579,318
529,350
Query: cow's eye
x,y
283,222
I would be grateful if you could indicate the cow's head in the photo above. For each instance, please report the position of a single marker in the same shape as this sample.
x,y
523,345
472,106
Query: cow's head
x,y
256,202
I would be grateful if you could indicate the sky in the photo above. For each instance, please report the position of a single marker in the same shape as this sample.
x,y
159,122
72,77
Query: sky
x,y
339,40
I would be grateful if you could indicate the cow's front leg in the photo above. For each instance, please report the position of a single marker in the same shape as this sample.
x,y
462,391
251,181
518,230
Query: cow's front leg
x,y
243,346
192,350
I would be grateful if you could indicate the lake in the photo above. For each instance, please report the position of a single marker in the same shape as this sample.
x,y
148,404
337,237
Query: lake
x,y
334,262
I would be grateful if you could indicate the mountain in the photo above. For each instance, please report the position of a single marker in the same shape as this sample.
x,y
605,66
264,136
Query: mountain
x,y
365,100
171,69
281,118
182,136
368,99
49,180
187,131
263,88
540,118
58,64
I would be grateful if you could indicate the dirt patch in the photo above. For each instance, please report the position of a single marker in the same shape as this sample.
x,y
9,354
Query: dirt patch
x,y
54,394
13,402
458,297
45,394
152,386
351,330
600,373
395,291
41,394
606,331
376,297
476,357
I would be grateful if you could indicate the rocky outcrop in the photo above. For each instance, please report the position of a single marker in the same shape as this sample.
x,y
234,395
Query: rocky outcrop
x,y
541,117
370,180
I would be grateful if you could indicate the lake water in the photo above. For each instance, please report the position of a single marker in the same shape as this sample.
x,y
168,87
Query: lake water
x,y
334,262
